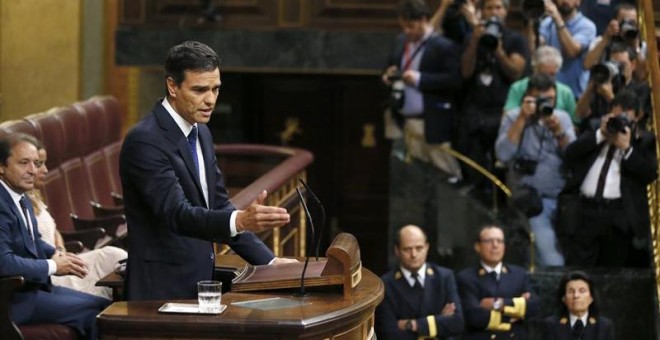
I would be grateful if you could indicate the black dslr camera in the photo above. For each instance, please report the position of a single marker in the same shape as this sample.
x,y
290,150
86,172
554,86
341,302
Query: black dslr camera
x,y
618,124
525,166
395,76
628,30
606,71
544,107
492,34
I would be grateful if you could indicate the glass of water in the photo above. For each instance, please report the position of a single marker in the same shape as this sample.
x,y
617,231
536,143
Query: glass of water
x,y
209,294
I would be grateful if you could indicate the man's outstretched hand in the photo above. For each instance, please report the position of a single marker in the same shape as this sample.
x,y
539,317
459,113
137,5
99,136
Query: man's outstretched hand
x,y
258,217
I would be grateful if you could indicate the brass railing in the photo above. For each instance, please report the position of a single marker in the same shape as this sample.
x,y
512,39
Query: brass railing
x,y
647,27
249,169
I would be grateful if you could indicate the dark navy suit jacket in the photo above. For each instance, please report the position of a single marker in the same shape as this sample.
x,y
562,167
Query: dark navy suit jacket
x,y
400,303
19,255
170,228
440,78
597,328
474,284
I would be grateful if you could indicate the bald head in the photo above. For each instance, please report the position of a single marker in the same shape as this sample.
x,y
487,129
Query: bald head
x,y
408,230
411,247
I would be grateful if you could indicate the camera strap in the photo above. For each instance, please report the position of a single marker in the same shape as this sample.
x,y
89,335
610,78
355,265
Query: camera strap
x,y
407,61
522,139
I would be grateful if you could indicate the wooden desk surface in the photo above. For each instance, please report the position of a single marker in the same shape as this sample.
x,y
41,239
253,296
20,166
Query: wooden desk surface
x,y
327,315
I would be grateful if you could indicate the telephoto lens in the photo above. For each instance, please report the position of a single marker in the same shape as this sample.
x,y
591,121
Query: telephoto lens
x,y
604,72
492,34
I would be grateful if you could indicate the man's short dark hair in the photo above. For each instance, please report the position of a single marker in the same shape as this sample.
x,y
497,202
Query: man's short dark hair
x,y
574,276
626,99
9,141
412,10
540,82
189,56
477,236
619,47
623,7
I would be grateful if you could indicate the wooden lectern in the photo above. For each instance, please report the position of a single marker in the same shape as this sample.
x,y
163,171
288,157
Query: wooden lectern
x,y
341,267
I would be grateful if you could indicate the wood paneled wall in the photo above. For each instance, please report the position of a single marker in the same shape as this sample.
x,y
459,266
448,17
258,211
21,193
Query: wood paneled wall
x,y
40,55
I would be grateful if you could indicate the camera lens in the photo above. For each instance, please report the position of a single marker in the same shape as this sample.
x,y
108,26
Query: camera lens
x,y
544,106
492,34
628,29
603,72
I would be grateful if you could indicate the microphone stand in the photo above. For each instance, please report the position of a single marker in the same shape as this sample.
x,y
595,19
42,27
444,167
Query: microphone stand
x,y
311,224
318,240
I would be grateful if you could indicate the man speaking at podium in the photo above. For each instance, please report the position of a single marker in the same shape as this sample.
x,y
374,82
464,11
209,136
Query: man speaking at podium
x,y
174,195
421,298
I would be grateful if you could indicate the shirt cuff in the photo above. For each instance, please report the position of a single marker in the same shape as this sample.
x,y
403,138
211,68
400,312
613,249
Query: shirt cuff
x,y
52,267
273,260
232,224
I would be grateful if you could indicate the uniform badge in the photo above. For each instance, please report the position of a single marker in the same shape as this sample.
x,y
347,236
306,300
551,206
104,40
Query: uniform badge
x,y
592,321
397,275
482,272
429,271
563,321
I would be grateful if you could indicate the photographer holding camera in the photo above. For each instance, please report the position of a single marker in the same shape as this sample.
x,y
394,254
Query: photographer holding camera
x,y
531,141
494,57
566,29
423,76
623,28
610,169
606,80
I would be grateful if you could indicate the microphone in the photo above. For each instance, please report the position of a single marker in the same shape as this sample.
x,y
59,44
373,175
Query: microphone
x,y
322,220
311,224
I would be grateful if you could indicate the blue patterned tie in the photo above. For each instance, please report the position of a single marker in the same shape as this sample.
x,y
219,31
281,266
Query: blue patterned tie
x,y
192,143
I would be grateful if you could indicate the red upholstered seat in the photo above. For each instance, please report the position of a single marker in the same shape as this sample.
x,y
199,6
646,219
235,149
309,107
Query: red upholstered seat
x,y
47,332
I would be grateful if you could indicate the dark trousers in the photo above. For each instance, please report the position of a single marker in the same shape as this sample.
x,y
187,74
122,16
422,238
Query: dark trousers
x,y
603,238
68,307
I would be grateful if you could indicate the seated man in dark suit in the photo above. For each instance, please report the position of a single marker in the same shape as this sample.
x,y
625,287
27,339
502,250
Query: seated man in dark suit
x,y
497,297
174,194
24,253
421,299
610,169
578,317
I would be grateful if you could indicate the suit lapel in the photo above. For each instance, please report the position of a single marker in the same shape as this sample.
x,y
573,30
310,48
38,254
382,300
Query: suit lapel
x,y
429,301
18,216
403,289
173,134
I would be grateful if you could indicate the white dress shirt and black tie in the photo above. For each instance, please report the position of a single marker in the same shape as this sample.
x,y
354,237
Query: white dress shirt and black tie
x,y
614,211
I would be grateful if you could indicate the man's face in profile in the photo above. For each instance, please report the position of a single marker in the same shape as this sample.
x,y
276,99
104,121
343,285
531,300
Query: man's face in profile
x,y
412,249
194,99
21,167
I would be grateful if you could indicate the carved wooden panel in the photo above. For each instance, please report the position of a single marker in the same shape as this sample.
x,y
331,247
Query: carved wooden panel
x,y
215,14
199,14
